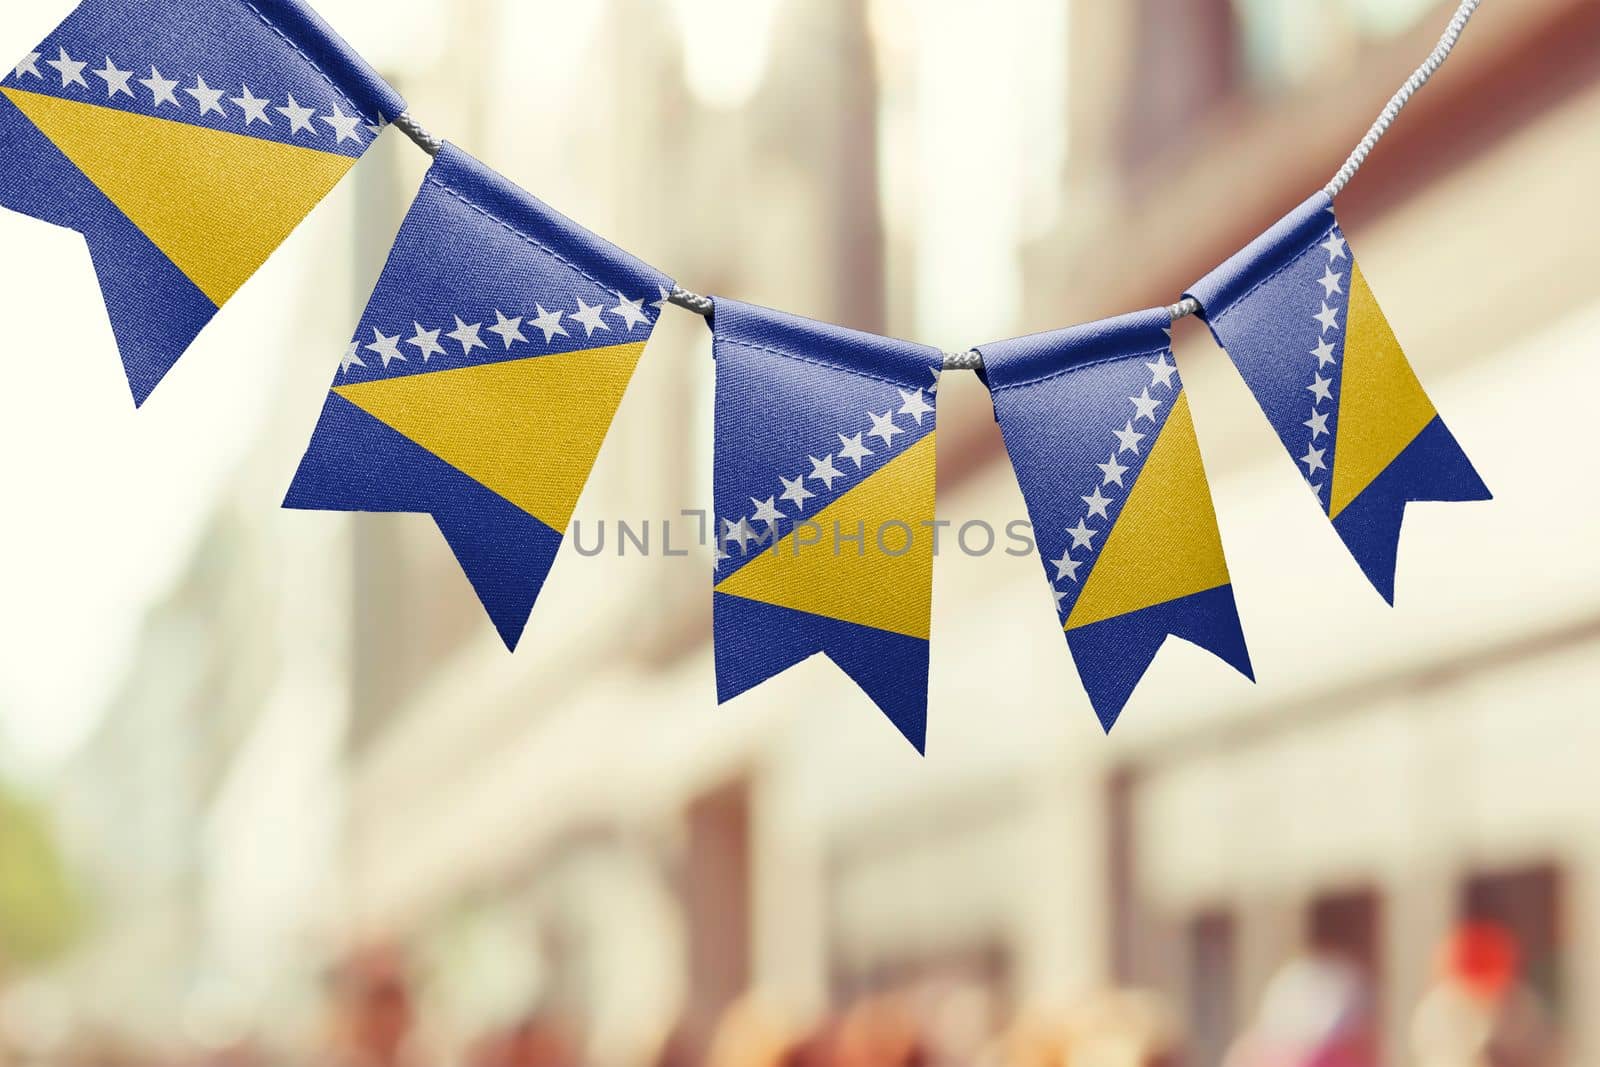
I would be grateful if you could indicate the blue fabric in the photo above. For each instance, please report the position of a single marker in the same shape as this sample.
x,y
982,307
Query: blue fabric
x,y
1265,306
471,244
505,552
155,310
755,641
277,48
1433,465
474,243
1112,656
1060,399
790,393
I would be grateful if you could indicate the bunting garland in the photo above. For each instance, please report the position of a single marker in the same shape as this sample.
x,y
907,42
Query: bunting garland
x,y
1099,431
824,482
183,188
1299,321
494,353
483,378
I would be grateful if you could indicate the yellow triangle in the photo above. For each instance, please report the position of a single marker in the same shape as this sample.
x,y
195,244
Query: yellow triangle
x,y
216,203
832,578
529,429
1382,407
1165,545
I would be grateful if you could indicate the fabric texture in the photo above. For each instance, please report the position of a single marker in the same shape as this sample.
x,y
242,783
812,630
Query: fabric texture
x,y
483,379
1098,427
824,486
1298,319
185,140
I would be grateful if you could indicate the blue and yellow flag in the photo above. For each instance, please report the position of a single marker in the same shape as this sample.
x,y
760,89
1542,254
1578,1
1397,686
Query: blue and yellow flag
x,y
1300,322
483,378
1098,428
184,139
824,488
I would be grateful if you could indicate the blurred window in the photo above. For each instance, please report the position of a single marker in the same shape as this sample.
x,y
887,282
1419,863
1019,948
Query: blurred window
x,y
1349,925
1527,904
1288,42
1212,982
716,888
1187,62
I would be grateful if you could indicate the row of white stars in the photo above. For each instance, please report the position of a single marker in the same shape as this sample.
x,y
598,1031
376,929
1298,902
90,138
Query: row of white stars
x,y
913,405
1321,388
1098,505
509,330
164,91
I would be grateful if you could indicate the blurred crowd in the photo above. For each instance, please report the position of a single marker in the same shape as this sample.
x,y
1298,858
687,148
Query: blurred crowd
x,y
1318,1011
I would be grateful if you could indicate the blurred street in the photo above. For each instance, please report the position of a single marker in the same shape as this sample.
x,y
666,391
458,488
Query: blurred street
x,y
273,793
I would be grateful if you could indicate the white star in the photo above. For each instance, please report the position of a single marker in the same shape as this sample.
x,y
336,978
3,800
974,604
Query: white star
x,y
1323,352
29,65
589,317
1331,282
1066,567
739,531
1162,371
1082,536
350,358
1113,471
1313,460
549,322
1316,487
161,89
299,117
69,69
1335,246
631,312
915,406
767,511
510,330
722,555
883,427
666,298
387,347
116,80
344,126
1097,504
796,492
938,373
208,98
1318,423
426,341
1321,388
824,471
467,336
853,449
1129,440
254,107
1329,317
1146,407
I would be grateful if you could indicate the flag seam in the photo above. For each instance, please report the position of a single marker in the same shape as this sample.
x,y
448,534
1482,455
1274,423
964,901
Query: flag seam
x,y
1233,304
785,353
1041,379
292,43
434,179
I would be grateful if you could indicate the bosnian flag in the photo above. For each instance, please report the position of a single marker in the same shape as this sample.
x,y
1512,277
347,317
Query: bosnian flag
x,y
1299,320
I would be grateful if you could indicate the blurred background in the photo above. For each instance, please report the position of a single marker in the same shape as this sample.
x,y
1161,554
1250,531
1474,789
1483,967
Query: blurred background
x,y
271,792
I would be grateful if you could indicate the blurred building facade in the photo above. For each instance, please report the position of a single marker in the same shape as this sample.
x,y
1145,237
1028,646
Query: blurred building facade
x,y
579,825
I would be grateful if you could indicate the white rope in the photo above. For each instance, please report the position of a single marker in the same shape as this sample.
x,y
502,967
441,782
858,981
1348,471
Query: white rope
x,y
415,130
973,360
1397,103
